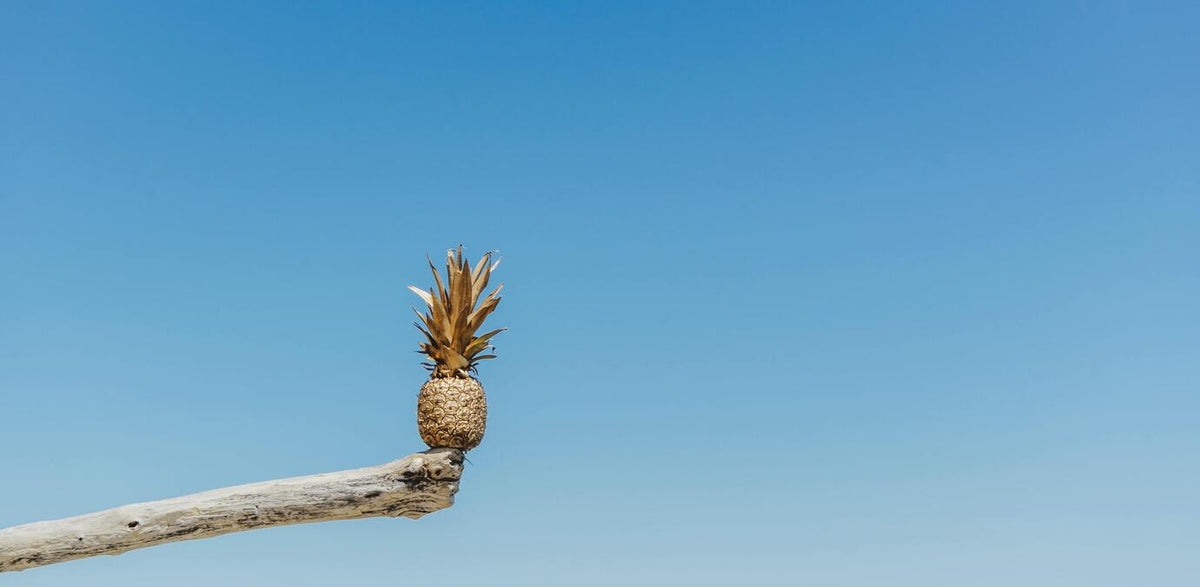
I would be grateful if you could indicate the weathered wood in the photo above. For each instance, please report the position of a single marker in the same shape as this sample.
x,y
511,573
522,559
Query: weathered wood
x,y
411,487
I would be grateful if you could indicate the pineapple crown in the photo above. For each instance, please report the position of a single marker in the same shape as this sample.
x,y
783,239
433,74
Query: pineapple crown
x,y
455,314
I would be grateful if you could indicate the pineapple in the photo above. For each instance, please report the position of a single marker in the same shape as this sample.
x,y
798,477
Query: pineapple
x,y
451,408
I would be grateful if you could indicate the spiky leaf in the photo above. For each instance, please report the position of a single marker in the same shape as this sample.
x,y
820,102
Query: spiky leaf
x,y
456,313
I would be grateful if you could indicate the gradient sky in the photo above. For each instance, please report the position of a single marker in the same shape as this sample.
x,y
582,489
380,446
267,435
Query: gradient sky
x,y
841,295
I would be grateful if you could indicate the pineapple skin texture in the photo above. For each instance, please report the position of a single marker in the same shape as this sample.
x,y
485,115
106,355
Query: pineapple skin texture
x,y
452,412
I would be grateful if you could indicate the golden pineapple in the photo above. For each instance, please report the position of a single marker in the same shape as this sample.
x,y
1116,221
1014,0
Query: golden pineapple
x,y
452,409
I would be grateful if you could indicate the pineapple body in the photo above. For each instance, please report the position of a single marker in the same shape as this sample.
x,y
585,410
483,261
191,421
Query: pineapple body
x,y
452,412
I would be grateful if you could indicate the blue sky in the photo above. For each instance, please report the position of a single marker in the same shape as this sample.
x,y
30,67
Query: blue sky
x,y
839,295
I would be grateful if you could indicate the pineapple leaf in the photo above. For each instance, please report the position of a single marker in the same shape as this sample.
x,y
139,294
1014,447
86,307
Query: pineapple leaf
x,y
456,312
437,279
426,296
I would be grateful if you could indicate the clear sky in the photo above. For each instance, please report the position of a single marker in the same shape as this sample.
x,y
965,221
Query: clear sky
x,y
837,295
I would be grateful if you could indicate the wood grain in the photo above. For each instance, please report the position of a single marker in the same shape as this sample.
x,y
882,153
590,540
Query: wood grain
x,y
410,487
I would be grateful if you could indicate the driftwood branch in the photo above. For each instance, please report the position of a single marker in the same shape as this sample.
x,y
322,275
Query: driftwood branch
x,y
411,487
